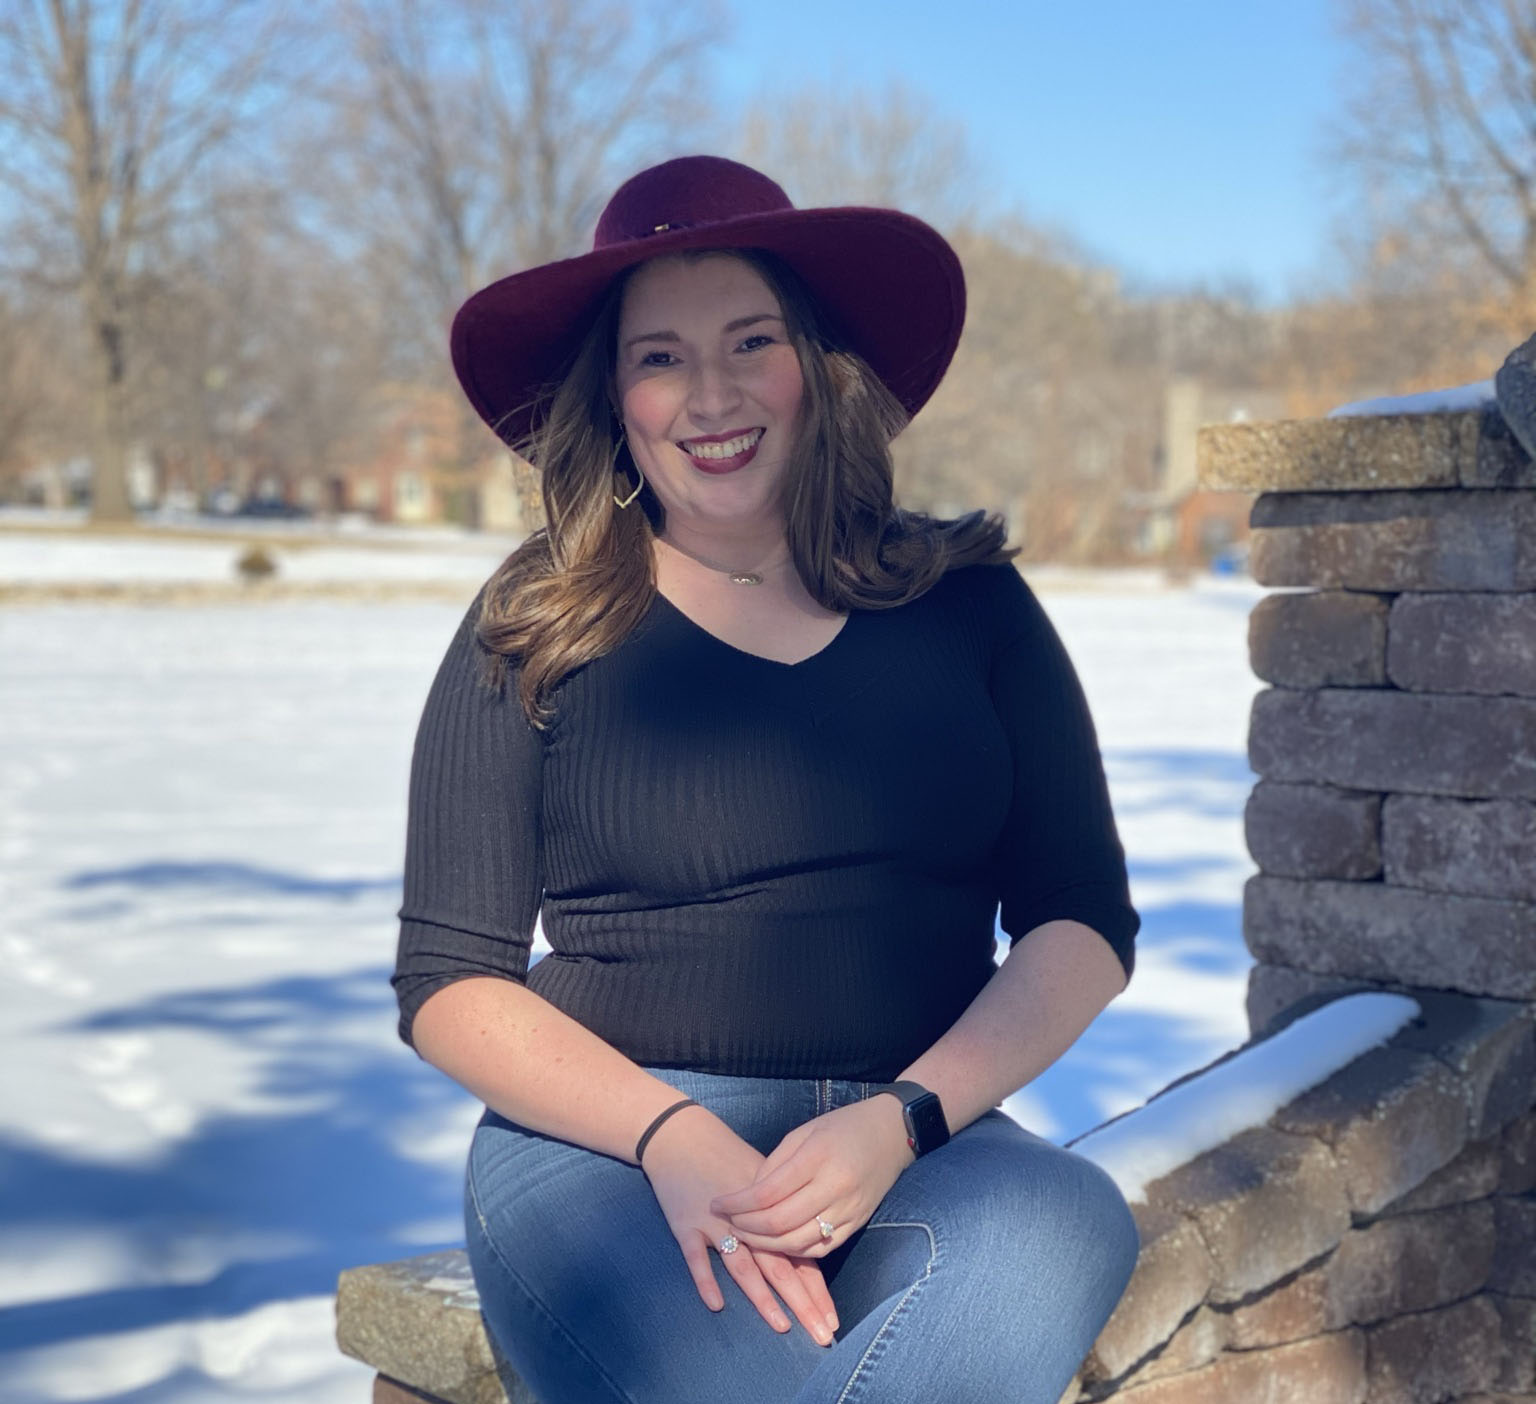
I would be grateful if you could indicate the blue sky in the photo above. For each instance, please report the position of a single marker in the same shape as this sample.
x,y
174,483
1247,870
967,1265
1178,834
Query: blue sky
x,y
1179,140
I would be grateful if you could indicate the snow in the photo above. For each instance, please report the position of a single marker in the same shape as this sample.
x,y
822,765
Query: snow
x,y
1242,1091
209,1115
1456,397
37,558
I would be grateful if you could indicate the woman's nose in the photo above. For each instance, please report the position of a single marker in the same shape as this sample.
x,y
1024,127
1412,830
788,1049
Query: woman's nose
x,y
712,391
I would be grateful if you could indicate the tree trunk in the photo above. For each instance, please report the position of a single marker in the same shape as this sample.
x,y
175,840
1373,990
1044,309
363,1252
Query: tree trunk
x,y
109,451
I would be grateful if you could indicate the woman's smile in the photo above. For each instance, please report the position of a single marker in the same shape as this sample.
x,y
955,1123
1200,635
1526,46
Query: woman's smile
x,y
723,453
709,385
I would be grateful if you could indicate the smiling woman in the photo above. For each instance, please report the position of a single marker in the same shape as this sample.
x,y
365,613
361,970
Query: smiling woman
x,y
830,465
713,387
770,756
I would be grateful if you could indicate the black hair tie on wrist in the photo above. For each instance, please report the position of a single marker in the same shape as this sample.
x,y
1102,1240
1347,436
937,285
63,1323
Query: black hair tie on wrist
x,y
655,1126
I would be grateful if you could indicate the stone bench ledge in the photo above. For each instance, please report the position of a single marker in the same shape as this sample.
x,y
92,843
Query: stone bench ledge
x,y
417,1321
1354,453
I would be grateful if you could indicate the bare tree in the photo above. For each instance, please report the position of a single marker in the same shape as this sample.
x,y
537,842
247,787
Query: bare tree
x,y
890,148
471,138
1441,136
28,395
260,346
112,112
481,137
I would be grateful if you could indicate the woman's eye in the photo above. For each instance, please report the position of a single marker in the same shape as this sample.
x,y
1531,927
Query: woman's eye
x,y
757,339
657,358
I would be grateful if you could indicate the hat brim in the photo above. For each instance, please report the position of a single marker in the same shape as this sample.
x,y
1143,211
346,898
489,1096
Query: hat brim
x,y
890,284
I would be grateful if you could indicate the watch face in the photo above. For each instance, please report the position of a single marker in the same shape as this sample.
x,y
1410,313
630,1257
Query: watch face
x,y
929,1129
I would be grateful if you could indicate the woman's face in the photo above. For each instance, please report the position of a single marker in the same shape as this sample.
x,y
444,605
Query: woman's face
x,y
709,387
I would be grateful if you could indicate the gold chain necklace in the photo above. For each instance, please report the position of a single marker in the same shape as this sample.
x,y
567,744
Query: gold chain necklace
x,y
736,577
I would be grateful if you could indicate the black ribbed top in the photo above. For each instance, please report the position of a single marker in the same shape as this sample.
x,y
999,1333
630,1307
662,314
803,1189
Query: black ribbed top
x,y
760,868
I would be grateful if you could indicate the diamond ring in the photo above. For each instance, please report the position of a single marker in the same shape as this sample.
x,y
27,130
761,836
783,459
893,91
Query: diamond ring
x,y
728,1244
826,1229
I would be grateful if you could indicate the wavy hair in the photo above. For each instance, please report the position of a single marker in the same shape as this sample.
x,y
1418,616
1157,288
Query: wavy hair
x,y
574,589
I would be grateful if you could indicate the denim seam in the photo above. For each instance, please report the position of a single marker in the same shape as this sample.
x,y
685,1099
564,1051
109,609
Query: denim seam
x,y
879,1337
485,1230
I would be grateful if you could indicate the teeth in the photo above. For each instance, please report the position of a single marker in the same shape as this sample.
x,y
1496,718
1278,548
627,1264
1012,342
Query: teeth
x,y
727,449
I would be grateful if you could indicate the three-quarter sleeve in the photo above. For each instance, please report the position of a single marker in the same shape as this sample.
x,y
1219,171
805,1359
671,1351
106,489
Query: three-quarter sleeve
x,y
1059,854
473,879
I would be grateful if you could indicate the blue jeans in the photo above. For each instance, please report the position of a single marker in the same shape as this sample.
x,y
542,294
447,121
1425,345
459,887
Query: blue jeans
x,y
985,1275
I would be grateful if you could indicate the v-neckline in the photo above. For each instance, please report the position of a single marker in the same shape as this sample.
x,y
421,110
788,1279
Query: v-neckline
x,y
821,652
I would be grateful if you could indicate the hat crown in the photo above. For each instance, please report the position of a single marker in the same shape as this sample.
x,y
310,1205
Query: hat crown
x,y
686,193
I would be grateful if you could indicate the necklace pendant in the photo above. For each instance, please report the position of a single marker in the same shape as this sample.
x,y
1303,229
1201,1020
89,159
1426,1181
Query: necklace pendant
x,y
745,577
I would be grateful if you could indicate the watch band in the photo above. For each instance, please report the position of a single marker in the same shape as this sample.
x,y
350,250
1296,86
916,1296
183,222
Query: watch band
x,y
922,1112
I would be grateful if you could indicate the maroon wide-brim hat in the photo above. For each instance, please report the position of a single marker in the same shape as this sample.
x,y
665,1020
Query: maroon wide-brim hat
x,y
889,285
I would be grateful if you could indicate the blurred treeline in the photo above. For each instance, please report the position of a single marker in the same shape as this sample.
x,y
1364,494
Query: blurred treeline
x,y
228,223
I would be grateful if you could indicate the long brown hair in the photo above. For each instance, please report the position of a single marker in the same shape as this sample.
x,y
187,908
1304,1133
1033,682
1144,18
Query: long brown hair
x,y
576,587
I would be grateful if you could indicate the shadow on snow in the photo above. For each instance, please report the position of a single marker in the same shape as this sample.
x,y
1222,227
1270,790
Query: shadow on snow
x,y
228,877
291,1197
1209,784
287,1198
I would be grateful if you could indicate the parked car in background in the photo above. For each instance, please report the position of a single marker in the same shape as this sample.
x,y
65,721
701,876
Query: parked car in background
x,y
1231,560
273,508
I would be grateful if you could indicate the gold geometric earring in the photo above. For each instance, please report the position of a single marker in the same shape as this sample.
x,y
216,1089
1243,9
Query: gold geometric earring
x,y
618,449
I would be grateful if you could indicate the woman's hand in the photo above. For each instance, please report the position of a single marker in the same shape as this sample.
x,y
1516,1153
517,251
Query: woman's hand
x,y
837,1167
692,1158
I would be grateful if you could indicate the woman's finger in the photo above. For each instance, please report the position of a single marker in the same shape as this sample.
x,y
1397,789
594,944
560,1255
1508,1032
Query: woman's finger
x,y
784,1226
793,1285
696,1255
748,1276
846,1218
816,1288
767,1190
807,1243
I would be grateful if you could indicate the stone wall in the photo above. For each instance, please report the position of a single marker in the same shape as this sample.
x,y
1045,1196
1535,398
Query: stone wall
x,y
1375,1241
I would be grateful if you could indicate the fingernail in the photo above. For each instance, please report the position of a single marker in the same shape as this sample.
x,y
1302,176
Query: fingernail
x,y
832,1323
823,1334
779,1323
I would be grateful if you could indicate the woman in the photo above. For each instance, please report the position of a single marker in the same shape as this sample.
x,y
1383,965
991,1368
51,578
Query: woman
x,y
768,753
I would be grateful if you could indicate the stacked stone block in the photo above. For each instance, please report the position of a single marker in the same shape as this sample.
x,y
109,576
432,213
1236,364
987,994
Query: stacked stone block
x,y
1376,1241
1394,821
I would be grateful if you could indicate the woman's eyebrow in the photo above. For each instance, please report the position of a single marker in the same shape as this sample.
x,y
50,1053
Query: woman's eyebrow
x,y
752,319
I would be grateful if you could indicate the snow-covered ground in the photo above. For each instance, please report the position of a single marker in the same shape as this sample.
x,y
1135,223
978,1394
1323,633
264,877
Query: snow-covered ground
x,y
36,557
206,1114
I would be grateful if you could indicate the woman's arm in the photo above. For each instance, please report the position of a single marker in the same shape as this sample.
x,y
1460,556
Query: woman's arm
x,y
841,1165
1060,869
1053,984
537,1066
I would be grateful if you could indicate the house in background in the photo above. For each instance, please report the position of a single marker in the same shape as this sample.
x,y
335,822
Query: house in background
x,y
408,466
1186,524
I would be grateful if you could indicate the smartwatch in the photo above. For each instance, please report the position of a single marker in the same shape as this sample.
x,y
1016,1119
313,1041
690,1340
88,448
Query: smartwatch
x,y
927,1129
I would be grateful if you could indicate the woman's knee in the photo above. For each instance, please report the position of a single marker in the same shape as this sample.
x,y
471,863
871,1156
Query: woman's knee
x,y
1117,1229
1093,1227
1029,1197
